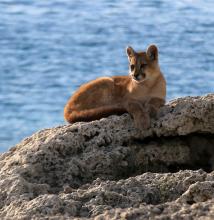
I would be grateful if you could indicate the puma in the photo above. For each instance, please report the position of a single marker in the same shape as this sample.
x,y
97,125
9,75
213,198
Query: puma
x,y
141,93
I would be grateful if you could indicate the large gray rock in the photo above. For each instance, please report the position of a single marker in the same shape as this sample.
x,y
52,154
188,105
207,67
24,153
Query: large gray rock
x,y
107,169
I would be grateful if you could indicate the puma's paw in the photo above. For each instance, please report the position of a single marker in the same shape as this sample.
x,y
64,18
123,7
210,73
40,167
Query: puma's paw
x,y
153,112
142,123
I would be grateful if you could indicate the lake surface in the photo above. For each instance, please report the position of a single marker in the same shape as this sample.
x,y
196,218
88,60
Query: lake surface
x,y
49,48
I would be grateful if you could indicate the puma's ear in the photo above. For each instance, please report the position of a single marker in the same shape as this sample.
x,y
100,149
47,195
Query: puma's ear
x,y
152,52
130,52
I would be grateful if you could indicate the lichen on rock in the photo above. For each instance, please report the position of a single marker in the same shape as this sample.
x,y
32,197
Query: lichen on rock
x,y
107,169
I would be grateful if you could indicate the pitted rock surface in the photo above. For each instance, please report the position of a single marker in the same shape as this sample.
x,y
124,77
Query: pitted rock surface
x,y
107,169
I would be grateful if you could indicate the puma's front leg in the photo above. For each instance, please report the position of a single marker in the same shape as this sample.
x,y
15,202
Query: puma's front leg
x,y
140,114
153,105
143,111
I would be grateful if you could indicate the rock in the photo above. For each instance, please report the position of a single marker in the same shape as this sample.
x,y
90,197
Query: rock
x,y
107,169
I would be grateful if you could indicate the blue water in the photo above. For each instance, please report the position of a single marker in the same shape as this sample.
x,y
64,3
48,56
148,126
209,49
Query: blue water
x,y
49,48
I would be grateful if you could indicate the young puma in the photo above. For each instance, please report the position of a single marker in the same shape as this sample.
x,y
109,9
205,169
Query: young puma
x,y
140,94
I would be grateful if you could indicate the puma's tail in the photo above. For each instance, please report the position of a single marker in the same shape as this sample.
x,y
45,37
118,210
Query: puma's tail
x,y
92,114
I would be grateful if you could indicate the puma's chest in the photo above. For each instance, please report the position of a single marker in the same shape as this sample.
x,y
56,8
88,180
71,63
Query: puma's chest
x,y
138,92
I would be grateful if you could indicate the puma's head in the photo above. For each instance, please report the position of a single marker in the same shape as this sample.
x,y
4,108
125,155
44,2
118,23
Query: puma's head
x,y
143,65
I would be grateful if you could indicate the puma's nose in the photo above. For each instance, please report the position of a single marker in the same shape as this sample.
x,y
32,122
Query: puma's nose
x,y
135,76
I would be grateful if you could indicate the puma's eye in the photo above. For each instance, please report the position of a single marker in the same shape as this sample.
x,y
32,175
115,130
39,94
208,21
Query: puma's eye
x,y
132,67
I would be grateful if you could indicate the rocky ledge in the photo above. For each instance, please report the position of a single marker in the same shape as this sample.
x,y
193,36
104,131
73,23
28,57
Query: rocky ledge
x,y
107,169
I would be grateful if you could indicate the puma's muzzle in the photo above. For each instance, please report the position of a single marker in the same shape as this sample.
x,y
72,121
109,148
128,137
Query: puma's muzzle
x,y
138,77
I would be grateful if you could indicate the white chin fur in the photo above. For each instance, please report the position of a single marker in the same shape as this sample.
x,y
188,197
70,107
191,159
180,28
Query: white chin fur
x,y
139,81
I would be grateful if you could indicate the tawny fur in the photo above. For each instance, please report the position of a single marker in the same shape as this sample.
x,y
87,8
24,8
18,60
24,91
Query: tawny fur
x,y
141,93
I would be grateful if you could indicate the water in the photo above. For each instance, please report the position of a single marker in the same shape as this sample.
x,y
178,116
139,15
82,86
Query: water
x,y
49,48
